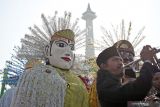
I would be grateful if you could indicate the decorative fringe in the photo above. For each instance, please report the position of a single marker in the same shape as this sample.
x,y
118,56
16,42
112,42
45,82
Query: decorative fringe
x,y
41,86
33,44
119,34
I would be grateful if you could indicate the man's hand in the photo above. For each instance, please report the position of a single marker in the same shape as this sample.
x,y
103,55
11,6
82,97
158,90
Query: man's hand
x,y
147,53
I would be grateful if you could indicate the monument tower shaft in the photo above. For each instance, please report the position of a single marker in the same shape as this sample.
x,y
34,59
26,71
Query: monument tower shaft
x,y
89,16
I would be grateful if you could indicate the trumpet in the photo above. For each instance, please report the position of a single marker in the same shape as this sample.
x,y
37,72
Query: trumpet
x,y
156,60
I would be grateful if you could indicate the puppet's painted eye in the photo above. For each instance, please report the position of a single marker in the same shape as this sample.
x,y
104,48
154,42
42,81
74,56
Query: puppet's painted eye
x,y
61,44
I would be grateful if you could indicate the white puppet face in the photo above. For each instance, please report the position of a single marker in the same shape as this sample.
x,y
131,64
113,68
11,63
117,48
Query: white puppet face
x,y
61,53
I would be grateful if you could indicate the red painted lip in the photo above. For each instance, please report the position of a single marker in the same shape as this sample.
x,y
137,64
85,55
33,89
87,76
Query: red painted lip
x,y
66,58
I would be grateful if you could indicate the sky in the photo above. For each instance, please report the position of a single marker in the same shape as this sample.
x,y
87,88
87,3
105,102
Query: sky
x,y
17,15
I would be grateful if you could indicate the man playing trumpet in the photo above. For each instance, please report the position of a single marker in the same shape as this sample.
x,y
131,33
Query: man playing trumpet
x,y
111,91
127,53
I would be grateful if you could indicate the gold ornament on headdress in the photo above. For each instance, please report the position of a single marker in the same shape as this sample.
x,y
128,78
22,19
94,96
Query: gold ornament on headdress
x,y
67,33
125,45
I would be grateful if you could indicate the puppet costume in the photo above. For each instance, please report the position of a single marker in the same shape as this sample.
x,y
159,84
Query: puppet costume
x,y
51,84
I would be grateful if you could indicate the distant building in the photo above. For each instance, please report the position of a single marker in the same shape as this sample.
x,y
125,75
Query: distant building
x,y
88,16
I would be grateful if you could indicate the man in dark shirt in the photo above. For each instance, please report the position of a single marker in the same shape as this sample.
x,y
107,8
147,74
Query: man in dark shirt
x,y
111,92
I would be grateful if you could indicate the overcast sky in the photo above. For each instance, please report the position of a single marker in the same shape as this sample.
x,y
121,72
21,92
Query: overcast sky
x,y
17,15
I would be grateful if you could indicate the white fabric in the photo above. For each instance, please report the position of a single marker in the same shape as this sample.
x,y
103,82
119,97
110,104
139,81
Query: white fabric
x,y
6,99
55,57
41,86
